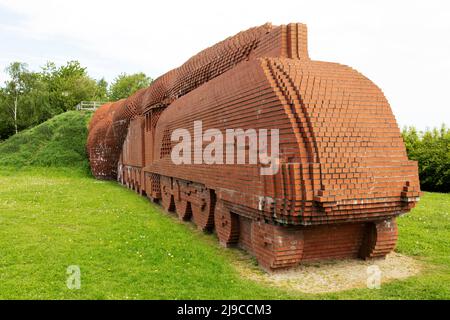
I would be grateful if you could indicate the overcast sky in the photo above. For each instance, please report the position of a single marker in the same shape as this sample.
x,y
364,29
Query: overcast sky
x,y
403,46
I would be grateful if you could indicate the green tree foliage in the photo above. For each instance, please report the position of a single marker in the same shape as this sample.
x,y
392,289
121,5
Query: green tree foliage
x,y
23,100
6,123
30,98
432,151
101,93
69,84
125,85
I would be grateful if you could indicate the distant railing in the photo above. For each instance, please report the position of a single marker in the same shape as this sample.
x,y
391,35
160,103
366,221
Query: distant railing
x,y
89,105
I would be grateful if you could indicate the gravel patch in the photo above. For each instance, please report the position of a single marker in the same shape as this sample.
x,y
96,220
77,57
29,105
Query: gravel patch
x,y
332,276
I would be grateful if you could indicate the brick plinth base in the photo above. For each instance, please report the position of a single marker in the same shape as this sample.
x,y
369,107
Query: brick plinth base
x,y
277,247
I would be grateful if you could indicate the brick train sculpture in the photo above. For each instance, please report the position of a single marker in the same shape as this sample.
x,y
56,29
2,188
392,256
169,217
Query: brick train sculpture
x,y
343,174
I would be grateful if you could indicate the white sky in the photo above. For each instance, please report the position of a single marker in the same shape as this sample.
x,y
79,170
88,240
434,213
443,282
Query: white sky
x,y
403,46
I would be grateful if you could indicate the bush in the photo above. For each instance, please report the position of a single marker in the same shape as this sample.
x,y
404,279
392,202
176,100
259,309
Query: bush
x,y
431,150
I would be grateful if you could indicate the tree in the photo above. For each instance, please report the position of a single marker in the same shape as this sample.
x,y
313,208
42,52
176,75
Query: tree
x,y
102,90
15,87
6,123
68,85
432,151
24,99
125,85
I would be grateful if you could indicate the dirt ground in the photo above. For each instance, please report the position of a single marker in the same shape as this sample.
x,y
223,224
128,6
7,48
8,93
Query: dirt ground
x,y
332,276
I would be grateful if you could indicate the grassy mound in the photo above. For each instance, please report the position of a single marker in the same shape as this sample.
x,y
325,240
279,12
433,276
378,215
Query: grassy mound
x,y
58,142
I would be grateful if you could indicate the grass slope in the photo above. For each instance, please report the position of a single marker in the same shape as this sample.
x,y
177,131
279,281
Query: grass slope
x,y
59,141
128,248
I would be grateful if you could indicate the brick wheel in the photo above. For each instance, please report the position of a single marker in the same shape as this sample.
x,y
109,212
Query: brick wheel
x,y
203,209
380,239
226,224
276,247
183,209
167,201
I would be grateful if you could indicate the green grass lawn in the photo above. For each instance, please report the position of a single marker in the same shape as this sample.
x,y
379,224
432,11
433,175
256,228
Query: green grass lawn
x,y
128,248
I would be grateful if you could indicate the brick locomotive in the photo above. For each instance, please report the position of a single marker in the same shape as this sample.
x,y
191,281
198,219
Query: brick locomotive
x,y
343,176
